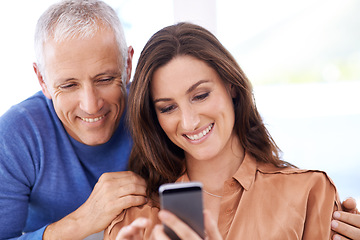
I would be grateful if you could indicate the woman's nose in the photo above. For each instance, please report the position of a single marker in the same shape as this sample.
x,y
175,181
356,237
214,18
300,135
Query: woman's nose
x,y
189,119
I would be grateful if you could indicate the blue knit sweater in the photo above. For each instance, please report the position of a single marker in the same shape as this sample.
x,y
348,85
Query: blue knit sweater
x,y
44,173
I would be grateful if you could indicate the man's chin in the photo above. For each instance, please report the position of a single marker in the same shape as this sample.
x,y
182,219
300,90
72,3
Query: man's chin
x,y
95,140
92,137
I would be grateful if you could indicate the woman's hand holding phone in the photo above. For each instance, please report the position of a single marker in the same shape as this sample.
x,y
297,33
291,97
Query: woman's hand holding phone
x,y
182,230
181,214
135,230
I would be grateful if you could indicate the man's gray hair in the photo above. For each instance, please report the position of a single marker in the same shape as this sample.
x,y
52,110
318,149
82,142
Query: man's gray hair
x,y
80,19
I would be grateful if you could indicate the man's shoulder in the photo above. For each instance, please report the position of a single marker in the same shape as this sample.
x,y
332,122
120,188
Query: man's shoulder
x,y
33,107
28,118
34,103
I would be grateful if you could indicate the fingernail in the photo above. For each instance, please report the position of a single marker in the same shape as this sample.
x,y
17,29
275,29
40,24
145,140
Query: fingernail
x,y
336,237
336,215
142,221
334,224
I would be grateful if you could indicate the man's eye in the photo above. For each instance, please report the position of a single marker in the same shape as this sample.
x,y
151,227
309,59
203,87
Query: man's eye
x,y
105,80
201,96
68,86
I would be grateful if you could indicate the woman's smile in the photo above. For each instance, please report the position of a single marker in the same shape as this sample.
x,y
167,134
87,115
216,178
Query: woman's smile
x,y
200,135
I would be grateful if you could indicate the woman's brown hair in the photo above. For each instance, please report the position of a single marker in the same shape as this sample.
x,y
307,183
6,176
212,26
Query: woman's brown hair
x,y
154,156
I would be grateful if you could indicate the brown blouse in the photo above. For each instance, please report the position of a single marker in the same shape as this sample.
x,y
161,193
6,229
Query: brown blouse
x,y
262,201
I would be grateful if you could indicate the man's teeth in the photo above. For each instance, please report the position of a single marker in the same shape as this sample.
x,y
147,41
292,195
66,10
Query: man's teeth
x,y
91,120
200,135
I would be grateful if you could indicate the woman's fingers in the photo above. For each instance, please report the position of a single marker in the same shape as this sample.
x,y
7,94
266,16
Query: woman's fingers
x,y
134,231
179,227
158,233
211,228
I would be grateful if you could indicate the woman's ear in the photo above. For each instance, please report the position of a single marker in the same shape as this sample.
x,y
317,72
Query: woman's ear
x,y
233,91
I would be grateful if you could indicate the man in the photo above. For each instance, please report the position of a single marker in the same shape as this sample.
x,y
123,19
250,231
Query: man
x,y
60,148
56,144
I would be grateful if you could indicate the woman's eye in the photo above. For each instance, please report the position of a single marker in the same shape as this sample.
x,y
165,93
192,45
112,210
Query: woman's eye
x,y
201,96
167,109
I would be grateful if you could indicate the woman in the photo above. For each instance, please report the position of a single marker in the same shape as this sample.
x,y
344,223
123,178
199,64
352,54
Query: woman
x,y
194,118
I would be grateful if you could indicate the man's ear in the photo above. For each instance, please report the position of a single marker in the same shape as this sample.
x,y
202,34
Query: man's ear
x,y
129,64
41,81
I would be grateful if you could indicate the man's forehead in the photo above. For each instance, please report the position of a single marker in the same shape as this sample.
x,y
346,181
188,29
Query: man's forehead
x,y
63,31
59,35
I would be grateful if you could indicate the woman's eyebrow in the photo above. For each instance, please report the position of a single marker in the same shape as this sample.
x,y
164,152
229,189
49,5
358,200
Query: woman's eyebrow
x,y
162,100
196,85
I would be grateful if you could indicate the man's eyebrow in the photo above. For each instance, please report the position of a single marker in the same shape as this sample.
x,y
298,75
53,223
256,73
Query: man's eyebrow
x,y
191,88
109,72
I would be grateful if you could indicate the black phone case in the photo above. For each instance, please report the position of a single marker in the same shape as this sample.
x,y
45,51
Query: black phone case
x,y
187,204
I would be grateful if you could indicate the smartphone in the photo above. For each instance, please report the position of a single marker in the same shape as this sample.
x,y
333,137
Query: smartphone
x,y
186,202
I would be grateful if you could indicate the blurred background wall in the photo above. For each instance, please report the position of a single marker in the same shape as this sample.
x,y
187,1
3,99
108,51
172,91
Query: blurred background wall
x,y
303,58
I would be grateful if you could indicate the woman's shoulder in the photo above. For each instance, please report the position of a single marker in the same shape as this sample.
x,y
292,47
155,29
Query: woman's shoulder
x,y
295,185
312,178
149,210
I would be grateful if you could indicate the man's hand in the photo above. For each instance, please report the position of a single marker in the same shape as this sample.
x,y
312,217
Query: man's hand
x,y
347,222
113,193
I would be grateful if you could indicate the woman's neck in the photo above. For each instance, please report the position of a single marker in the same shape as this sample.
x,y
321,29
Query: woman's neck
x,y
215,171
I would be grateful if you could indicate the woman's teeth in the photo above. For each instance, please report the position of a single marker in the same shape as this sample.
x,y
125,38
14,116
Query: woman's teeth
x,y
200,135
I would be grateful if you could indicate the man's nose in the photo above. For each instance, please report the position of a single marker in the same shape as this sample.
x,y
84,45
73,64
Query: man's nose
x,y
90,100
